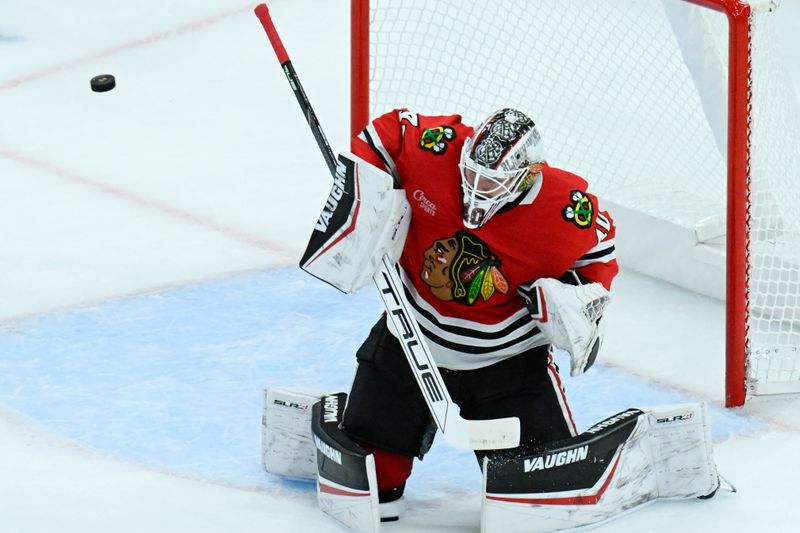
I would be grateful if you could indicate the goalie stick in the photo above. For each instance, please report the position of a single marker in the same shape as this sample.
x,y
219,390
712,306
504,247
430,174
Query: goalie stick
x,y
492,434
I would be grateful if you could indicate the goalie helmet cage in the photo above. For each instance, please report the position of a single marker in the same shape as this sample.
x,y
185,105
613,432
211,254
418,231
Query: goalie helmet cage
x,y
676,110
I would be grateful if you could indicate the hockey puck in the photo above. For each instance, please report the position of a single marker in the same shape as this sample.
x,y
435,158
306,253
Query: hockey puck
x,y
103,83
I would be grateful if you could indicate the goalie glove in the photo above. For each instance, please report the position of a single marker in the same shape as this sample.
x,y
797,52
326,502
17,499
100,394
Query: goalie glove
x,y
364,218
570,316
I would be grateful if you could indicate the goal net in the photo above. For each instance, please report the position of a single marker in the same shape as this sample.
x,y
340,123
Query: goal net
x,y
695,157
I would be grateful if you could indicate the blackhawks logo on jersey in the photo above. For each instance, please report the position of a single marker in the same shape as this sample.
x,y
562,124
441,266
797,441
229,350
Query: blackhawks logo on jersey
x,y
462,268
435,139
580,211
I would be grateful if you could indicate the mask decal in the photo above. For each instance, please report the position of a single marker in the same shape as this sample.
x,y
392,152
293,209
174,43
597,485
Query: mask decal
x,y
499,136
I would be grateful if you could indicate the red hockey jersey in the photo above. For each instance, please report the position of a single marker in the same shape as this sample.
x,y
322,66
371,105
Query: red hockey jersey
x,y
462,283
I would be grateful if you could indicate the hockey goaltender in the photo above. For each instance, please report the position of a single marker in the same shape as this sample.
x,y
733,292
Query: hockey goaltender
x,y
487,259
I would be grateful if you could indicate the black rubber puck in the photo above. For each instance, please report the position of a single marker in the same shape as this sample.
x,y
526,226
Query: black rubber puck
x,y
103,83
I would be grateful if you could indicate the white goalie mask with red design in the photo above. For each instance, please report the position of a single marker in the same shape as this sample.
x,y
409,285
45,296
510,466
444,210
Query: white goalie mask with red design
x,y
501,160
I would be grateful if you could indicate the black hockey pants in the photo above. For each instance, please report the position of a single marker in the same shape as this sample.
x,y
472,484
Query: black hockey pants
x,y
385,408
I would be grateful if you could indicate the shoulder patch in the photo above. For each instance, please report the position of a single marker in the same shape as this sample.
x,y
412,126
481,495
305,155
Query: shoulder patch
x,y
435,139
580,210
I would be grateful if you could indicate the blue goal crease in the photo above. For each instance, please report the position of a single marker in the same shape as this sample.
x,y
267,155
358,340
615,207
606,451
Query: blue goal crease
x,y
176,379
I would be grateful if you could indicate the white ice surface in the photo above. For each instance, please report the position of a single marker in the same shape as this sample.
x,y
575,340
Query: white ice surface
x,y
142,307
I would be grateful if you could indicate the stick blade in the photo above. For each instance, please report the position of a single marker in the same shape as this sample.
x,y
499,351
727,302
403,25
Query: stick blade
x,y
496,434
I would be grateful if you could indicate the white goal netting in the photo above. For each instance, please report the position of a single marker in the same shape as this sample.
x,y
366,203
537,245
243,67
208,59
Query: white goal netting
x,y
631,94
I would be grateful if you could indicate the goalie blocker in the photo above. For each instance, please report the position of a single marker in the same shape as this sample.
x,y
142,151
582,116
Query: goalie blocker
x,y
625,461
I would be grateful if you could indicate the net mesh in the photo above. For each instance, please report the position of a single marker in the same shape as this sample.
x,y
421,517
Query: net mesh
x,y
630,94
775,229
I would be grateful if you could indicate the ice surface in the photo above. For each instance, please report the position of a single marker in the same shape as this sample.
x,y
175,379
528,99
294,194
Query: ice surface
x,y
147,293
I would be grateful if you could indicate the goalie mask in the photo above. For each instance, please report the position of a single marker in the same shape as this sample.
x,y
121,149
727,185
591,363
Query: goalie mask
x,y
501,160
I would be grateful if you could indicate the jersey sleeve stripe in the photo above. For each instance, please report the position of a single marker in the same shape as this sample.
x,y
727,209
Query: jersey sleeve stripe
x,y
374,140
571,277
607,243
598,254
605,259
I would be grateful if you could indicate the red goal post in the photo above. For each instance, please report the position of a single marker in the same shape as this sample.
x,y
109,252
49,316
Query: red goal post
x,y
388,70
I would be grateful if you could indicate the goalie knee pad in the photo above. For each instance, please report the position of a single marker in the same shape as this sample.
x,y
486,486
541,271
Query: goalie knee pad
x,y
624,461
301,439
347,488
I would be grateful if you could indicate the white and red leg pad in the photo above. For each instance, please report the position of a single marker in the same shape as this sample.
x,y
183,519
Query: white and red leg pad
x,y
287,448
632,458
347,487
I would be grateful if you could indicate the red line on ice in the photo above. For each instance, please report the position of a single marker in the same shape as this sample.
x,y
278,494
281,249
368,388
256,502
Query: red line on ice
x,y
152,205
124,47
